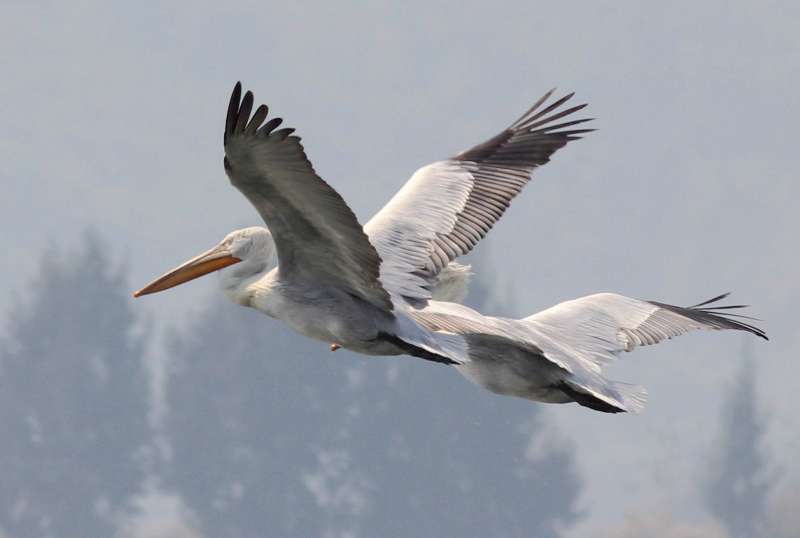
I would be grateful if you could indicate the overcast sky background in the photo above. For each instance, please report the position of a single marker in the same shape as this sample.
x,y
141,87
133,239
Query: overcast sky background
x,y
113,116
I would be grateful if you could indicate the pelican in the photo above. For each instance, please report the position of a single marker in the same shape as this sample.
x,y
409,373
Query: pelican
x,y
393,287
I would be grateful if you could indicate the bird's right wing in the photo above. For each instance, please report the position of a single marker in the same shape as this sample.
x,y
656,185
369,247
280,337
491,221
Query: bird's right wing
x,y
447,207
594,329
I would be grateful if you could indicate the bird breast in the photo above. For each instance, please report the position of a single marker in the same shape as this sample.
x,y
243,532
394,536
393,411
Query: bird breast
x,y
325,315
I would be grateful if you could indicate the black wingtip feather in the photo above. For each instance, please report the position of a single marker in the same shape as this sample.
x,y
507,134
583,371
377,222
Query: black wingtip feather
x,y
533,107
258,118
531,140
555,104
283,133
529,126
712,300
244,111
551,128
233,109
576,131
238,118
270,126
712,316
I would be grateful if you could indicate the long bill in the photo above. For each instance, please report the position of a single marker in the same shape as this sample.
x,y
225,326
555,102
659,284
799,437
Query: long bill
x,y
212,260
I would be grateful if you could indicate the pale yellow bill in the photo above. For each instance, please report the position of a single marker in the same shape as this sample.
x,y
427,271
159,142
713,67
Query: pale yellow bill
x,y
203,264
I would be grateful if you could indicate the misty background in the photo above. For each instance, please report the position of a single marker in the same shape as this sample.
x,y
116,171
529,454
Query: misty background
x,y
181,415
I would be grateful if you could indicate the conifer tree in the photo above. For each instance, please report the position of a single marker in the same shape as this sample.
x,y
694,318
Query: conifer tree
x,y
738,489
73,400
273,434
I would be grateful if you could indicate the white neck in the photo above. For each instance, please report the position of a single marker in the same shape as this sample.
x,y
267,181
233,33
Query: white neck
x,y
237,280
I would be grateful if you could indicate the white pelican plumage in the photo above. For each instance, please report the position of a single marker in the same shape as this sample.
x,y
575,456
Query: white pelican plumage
x,y
392,287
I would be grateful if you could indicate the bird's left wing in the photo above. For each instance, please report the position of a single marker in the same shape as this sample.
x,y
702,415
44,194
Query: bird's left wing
x,y
317,236
447,207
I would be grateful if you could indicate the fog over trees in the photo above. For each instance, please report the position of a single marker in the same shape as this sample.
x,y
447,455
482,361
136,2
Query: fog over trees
x,y
265,432
739,485
73,400
273,431
745,496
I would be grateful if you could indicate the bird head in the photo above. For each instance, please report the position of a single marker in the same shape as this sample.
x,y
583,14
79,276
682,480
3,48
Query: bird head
x,y
251,250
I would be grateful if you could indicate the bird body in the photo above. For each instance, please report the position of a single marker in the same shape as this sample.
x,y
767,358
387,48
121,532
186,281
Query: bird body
x,y
393,286
329,315
325,314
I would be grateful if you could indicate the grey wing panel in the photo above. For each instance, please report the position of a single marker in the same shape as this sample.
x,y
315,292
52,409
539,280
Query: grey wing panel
x,y
317,236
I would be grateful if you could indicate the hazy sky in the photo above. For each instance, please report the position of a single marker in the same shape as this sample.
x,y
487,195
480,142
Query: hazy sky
x,y
113,117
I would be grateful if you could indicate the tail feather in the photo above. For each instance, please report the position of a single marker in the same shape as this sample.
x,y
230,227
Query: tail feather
x,y
606,396
634,397
590,398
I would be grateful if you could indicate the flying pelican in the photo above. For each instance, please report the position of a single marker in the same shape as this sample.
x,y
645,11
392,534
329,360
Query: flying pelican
x,y
392,287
